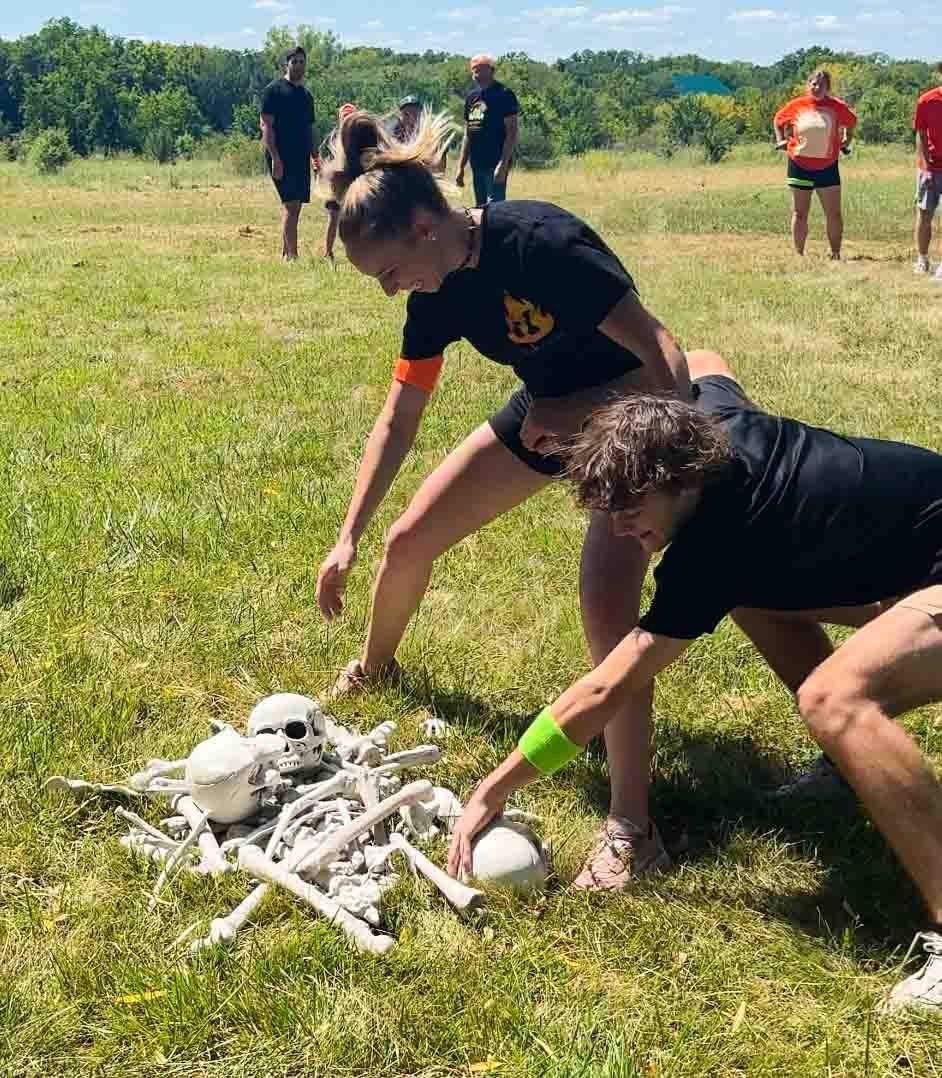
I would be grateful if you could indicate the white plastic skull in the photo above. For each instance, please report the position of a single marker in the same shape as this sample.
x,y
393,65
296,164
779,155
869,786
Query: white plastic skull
x,y
300,721
228,774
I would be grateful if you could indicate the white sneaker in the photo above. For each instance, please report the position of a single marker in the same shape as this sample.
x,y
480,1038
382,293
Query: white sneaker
x,y
921,265
923,988
821,782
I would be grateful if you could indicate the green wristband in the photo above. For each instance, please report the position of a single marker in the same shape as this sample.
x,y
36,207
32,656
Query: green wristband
x,y
545,746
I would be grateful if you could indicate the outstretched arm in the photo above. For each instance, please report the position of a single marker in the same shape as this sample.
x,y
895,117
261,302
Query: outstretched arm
x,y
390,440
562,730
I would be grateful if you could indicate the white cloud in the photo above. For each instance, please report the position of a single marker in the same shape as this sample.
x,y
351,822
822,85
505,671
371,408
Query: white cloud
x,y
271,5
373,24
826,22
758,14
466,14
630,16
555,12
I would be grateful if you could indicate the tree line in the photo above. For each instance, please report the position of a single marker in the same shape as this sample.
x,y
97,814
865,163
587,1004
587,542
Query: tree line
x,y
106,94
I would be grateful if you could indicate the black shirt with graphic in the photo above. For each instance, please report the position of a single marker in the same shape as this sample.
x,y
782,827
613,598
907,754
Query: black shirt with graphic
x,y
484,114
292,107
543,284
804,519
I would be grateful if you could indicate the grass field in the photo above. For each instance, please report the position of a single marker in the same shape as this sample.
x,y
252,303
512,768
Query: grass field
x,y
182,418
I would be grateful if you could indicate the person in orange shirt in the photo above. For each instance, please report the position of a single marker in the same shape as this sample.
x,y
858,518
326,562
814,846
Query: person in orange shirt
x,y
927,123
815,129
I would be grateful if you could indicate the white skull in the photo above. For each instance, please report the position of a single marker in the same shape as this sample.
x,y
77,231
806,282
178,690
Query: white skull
x,y
300,721
229,774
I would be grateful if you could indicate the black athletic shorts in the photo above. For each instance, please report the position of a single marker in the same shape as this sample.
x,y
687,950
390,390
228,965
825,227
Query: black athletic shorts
x,y
709,392
813,178
295,183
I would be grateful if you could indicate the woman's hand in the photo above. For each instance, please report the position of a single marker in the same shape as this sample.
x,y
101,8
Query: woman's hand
x,y
478,813
551,418
332,577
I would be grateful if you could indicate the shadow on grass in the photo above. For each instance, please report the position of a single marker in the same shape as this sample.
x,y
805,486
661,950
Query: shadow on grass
x,y
710,795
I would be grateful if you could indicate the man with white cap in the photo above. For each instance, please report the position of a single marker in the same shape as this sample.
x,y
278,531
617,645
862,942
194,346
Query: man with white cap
x,y
490,133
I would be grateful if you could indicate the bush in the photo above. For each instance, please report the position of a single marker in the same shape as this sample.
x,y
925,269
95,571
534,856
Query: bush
x,y
244,155
8,149
185,147
535,150
688,122
49,151
160,145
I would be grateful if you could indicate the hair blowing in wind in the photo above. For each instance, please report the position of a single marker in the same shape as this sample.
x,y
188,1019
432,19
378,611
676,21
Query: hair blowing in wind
x,y
380,182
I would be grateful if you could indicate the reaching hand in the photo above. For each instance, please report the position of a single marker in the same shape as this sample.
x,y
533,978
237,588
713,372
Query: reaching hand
x,y
459,178
477,814
332,577
782,144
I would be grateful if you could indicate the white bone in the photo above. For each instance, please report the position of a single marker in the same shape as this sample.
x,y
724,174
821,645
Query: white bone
x,y
257,864
175,826
79,788
459,895
417,757
142,825
228,774
144,846
224,928
339,783
300,721
142,780
174,859
510,854
435,728
212,861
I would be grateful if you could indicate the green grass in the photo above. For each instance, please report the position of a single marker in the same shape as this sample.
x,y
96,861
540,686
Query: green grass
x,y
182,418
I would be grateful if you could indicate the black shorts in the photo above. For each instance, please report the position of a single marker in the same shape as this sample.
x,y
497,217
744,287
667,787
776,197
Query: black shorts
x,y
295,183
813,178
709,393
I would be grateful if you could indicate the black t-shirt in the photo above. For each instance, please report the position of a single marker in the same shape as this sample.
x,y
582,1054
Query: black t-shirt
x,y
543,284
804,519
484,113
292,107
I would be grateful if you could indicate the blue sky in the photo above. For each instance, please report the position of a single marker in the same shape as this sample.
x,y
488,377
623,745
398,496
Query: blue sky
x,y
746,30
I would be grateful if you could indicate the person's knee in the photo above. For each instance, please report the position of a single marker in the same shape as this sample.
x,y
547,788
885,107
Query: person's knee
x,y
832,707
800,217
407,545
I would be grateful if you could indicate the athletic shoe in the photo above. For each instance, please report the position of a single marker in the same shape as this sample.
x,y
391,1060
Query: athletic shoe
x,y
921,265
821,782
354,679
623,854
923,989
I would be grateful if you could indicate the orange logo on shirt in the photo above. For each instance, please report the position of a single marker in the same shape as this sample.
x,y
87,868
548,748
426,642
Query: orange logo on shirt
x,y
526,323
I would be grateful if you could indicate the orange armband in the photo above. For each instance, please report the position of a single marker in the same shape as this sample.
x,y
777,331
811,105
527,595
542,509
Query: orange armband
x,y
421,373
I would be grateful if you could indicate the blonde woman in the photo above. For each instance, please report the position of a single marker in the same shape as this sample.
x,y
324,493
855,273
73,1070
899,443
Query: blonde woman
x,y
534,288
814,130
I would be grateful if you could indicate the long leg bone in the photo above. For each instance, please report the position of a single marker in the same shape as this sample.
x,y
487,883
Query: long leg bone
x,y
257,864
459,895
398,761
212,862
224,928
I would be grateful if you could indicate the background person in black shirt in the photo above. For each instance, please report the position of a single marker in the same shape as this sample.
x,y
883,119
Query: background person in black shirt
x,y
490,133
288,137
768,513
536,289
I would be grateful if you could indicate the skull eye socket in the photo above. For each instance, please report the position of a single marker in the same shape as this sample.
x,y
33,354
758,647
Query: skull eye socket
x,y
264,730
296,729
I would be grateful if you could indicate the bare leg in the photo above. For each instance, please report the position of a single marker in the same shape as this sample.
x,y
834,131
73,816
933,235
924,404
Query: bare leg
x,y
888,667
801,204
331,236
923,232
830,198
477,482
290,212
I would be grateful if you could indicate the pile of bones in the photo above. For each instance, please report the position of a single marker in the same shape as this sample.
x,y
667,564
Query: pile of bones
x,y
311,806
